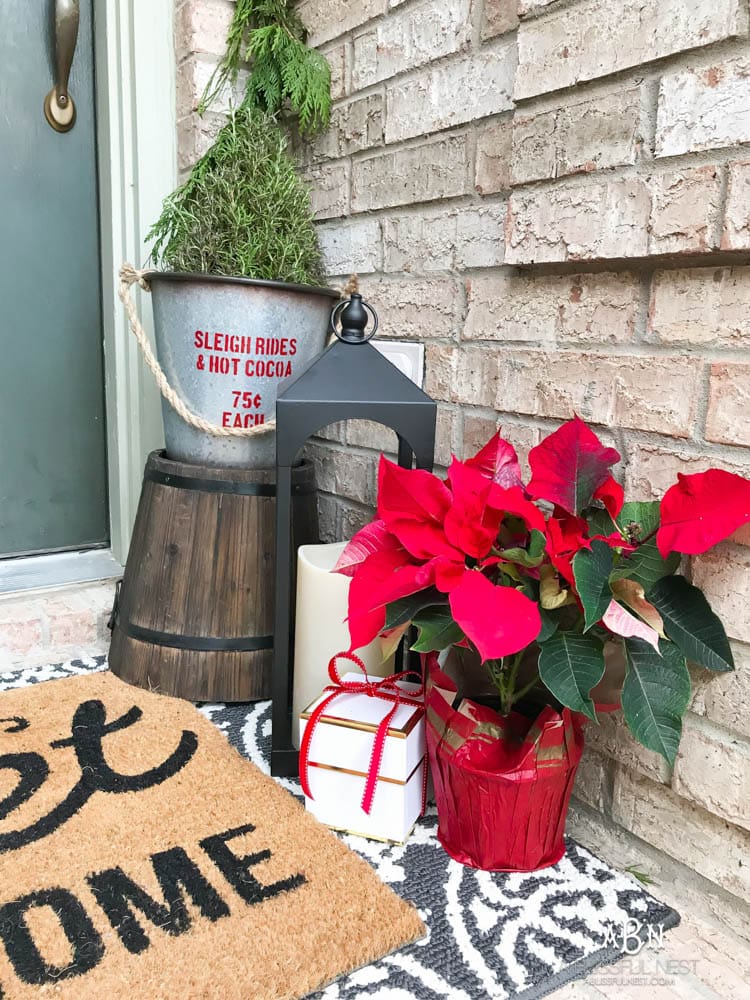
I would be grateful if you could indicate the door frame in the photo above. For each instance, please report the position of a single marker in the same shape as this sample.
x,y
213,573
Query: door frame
x,y
137,164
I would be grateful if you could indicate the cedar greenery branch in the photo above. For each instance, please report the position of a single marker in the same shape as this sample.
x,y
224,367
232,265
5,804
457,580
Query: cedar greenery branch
x,y
244,211
269,35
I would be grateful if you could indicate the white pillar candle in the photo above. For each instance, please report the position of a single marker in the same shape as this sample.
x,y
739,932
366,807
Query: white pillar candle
x,y
320,627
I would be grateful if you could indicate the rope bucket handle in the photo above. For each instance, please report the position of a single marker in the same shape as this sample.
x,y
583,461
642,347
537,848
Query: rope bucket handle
x,y
130,276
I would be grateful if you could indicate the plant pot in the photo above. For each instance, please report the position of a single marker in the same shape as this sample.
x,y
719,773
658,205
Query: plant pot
x,y
502,784
225,345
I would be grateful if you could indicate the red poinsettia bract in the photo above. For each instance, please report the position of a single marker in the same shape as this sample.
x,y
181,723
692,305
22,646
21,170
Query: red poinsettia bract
x,y
477,541
569,466
701,510
431,533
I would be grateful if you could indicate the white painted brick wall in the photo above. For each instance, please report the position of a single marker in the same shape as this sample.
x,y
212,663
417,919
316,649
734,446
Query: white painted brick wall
x,y
681,300
596,38
588,308
466,88
604,219
712,847
685,210
581,136
704,108
328,19
444,239
353,246
736,233
401,176
413,36
499,16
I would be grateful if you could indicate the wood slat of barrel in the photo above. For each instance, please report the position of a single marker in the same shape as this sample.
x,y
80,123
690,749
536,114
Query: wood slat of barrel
x,y
201,567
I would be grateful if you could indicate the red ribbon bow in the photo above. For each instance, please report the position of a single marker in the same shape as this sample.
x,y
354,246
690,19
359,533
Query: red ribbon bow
x,y
385,690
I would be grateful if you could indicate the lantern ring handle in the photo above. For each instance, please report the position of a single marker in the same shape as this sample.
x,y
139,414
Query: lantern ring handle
x,y
338,309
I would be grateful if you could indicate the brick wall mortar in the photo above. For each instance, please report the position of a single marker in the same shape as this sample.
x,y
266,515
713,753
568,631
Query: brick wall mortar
x,y
702,407
531,9
428,235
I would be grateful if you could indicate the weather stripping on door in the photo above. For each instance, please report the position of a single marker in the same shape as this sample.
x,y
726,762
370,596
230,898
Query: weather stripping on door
x,y
59,109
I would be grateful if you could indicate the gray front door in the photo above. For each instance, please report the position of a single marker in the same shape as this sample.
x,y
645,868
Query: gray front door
x,y
52,434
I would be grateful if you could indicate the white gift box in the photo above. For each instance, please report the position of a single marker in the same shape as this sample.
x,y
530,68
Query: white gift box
x,y
339,760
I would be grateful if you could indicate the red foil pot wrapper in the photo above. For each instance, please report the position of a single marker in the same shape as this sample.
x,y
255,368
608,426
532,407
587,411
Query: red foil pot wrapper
x,y
502,784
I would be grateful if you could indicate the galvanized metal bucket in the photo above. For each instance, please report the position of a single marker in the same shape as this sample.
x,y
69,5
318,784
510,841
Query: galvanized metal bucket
x,y
225,345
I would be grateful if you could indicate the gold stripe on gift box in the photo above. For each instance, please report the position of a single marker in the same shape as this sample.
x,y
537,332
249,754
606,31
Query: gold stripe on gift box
x,y
361,774
371,836
399,733
389,781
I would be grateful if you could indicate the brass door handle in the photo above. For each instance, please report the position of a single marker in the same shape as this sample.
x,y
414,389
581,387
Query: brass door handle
x,y
59,109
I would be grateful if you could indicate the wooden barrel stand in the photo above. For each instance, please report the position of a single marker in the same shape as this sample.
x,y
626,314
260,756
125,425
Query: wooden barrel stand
x,y
194,613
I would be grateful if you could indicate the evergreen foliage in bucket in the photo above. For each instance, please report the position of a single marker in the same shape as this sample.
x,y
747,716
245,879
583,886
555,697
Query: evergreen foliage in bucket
x,y
243,211
237,285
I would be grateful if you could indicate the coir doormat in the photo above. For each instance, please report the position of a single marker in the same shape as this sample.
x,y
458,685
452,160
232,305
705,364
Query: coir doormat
x,y
141,856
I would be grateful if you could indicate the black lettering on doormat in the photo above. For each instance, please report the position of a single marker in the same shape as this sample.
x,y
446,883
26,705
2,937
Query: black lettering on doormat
x,y
88,729
118,894
32,773
17,725
87,947
234,867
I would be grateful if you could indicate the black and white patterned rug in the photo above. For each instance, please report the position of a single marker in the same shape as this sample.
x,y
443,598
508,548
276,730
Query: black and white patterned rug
x,y
489,934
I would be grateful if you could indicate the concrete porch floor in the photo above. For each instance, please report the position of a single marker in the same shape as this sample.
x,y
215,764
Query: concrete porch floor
x,y
706,958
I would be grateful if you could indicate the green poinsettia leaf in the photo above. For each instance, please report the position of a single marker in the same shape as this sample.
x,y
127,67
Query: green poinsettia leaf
x,y
533,556
599,522
549,626
537,543
636,521
690,623
591,569
511,575
437,629
655,695
642,514
570,665
645,565
404,610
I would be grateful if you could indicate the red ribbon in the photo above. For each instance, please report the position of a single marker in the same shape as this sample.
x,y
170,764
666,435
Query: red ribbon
x,y
385,690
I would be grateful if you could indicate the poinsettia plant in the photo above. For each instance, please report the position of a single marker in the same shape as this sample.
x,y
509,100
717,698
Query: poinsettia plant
x,y
557,568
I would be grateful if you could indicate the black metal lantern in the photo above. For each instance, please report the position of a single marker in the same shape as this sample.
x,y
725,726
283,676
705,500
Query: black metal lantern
x,y
350,380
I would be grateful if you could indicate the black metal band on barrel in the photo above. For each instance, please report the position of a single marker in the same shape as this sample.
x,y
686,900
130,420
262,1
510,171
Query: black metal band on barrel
x,y
236,488
195,643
